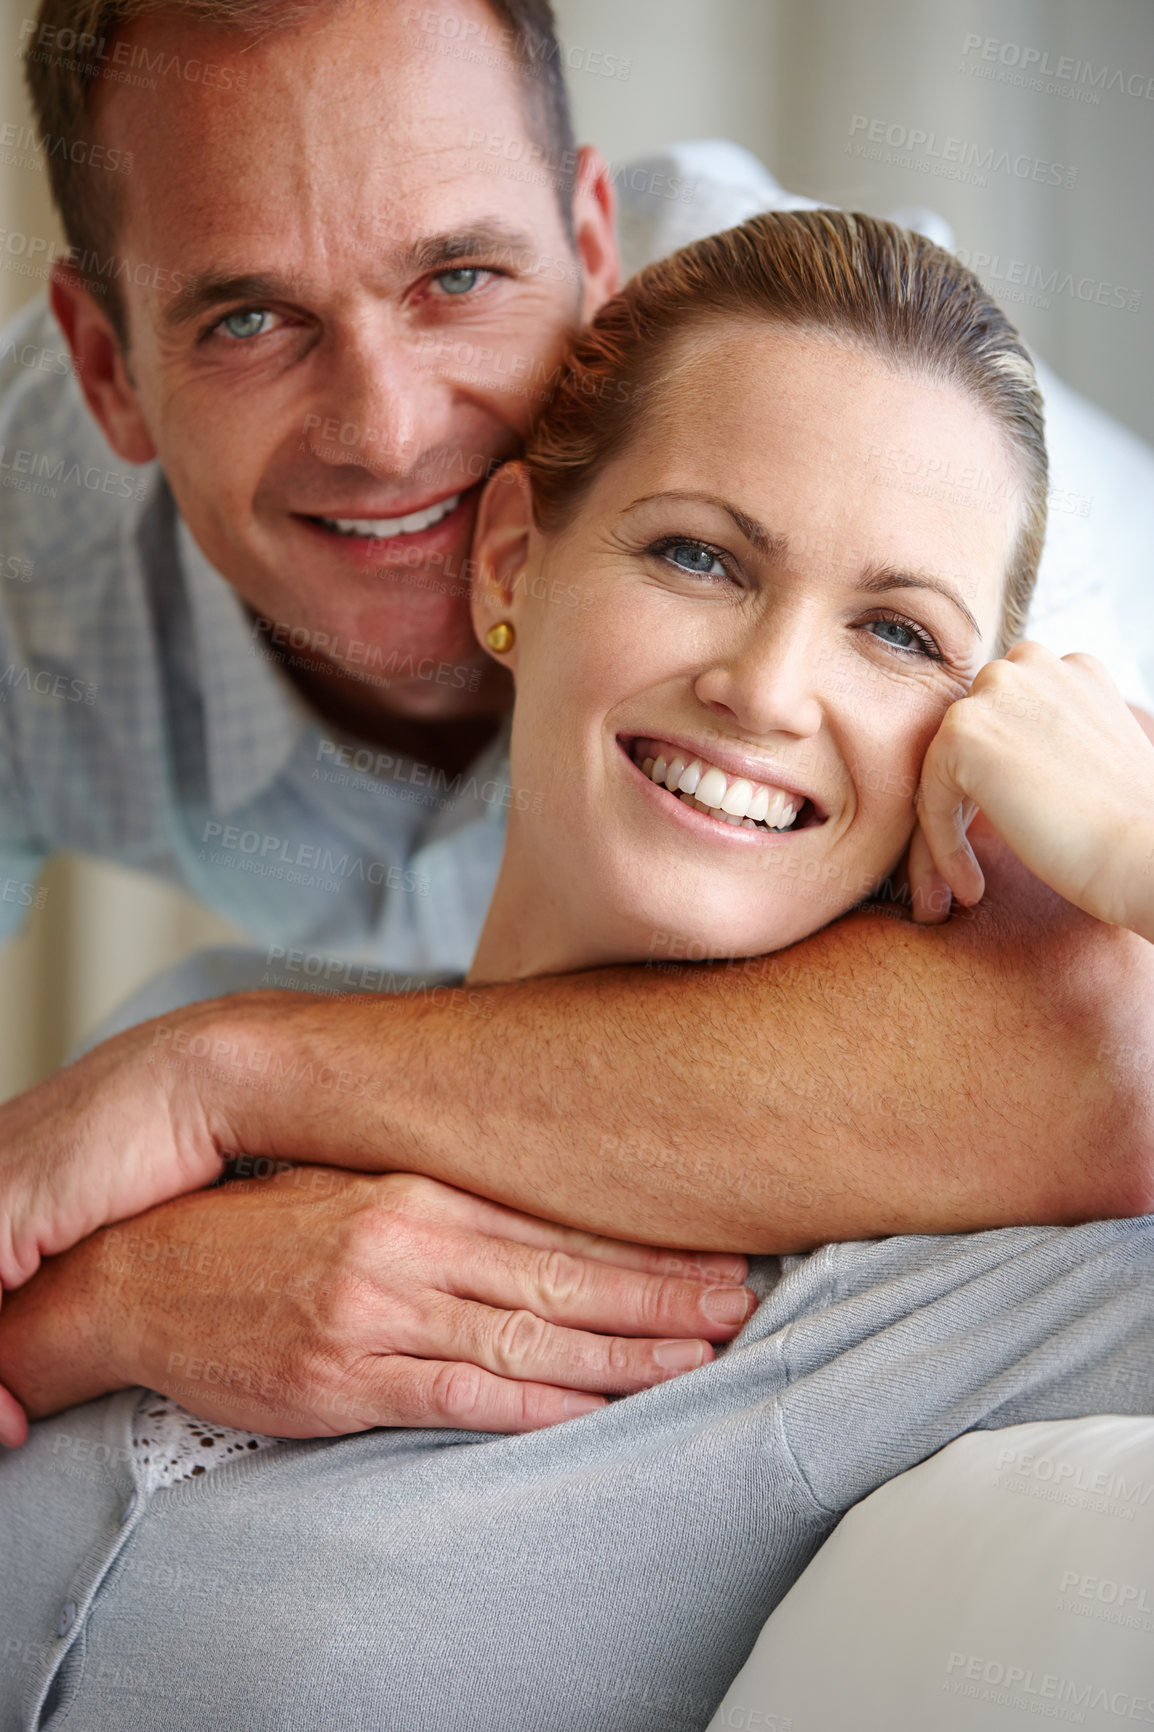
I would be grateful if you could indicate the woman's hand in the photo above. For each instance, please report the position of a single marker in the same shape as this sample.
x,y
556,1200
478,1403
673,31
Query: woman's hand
x,y
1047,749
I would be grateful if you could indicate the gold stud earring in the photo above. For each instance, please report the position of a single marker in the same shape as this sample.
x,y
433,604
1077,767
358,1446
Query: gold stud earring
x,y
500,637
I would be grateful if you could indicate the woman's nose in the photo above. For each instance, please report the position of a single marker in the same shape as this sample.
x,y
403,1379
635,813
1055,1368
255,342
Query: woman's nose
x,y
769,685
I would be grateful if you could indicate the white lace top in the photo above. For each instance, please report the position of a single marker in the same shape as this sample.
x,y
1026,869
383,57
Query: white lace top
x,y
171,1444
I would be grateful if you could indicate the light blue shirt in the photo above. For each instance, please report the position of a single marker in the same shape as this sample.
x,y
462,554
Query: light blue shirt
x,y
143,719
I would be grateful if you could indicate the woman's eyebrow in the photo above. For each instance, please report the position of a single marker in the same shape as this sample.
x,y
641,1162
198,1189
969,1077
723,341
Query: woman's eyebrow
x,y
768,542
886,578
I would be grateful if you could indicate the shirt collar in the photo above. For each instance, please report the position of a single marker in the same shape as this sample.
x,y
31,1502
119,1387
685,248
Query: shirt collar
x,y
253,715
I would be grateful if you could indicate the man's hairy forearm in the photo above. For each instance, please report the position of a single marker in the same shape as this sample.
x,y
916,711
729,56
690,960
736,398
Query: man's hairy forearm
x,y
877,1078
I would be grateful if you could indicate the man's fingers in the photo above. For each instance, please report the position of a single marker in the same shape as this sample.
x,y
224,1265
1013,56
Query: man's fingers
x,y
520,1345
581,1294
501,1222
13,1422
465,1397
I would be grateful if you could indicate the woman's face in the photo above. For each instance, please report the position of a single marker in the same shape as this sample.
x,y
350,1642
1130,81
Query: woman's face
x,y
781,585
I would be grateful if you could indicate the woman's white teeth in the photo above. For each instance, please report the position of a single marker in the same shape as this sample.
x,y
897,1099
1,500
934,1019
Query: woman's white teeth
x,y
759,804
383,528
778,807
737,798
712,786
734,799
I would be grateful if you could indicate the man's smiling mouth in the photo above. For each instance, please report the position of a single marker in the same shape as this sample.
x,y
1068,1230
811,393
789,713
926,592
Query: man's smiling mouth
x,y
734,800
385,528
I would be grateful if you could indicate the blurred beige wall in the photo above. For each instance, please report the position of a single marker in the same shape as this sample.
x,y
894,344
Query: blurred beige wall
x,y
798,82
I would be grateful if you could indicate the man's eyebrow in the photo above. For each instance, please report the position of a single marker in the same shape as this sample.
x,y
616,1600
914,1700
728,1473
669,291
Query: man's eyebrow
x,y
209,289
487,239
885,578
768,542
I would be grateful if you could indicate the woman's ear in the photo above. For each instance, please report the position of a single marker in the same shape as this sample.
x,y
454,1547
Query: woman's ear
x,y
501,543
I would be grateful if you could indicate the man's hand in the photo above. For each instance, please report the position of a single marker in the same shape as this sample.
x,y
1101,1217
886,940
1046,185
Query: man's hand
x,y
316,1303
102,1139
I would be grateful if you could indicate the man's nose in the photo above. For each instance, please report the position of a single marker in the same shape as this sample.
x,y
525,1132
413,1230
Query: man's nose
x,y
381,406
770,682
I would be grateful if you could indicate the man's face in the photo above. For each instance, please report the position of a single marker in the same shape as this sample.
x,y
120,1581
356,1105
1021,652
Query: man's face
x,y
339,316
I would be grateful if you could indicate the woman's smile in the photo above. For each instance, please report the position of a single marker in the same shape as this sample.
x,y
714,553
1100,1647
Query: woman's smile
x,y
691,783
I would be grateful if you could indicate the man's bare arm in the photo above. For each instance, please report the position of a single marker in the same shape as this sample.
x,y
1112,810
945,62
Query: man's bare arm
x,y
878,1078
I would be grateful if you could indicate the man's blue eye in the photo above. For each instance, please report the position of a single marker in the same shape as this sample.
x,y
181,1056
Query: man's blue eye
x,y
248,323
459,282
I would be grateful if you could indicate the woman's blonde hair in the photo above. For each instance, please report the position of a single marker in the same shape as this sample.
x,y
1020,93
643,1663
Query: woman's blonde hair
x,y
882,287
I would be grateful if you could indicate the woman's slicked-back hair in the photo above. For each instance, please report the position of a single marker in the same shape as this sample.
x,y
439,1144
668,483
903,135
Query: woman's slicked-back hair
x,y
884,289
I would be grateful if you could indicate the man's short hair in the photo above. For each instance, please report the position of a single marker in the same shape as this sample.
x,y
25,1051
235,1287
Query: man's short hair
x,y
68,56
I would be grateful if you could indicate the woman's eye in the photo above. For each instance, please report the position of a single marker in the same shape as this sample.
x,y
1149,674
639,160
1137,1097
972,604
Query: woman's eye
x,y
251,322
459,282
694,556
904,636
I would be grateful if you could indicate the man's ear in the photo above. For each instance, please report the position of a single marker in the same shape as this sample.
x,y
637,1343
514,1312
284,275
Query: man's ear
x,y
100,366
595,228
501,543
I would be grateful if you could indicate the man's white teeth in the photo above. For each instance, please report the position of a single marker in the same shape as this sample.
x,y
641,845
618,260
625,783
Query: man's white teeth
x,y
734,799
384,528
